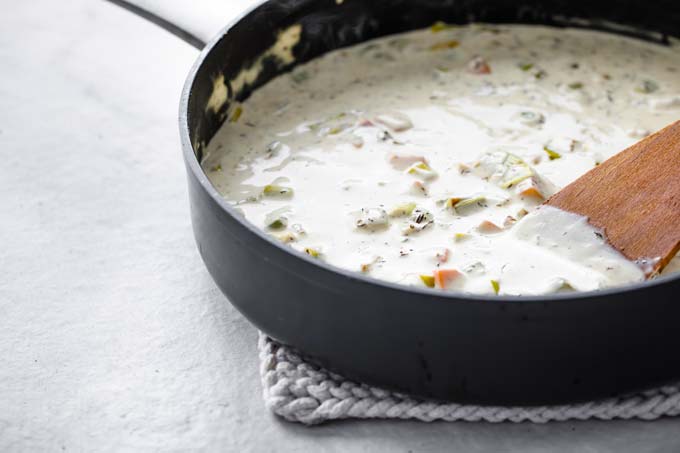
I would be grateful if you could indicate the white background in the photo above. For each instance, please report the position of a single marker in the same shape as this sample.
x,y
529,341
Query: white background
x,y
113,336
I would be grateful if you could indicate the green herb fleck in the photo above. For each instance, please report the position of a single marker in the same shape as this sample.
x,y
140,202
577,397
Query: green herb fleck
x,y
576,85
525,66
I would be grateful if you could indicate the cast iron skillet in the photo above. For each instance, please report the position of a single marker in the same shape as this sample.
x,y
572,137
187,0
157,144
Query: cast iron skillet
x,y
450,346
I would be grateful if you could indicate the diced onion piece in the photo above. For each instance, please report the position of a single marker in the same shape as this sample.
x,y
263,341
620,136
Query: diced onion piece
x,y
395,121
402,210
274,190
372,219
402,161
286,237
422,170
418,188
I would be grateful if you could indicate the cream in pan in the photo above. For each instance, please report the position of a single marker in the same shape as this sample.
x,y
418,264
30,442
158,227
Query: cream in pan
x,y
423,158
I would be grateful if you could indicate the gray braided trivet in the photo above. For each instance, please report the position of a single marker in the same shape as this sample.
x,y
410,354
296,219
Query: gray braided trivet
x,y
304,393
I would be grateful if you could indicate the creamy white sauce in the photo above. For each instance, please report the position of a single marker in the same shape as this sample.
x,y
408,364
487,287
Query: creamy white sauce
x,y
401,156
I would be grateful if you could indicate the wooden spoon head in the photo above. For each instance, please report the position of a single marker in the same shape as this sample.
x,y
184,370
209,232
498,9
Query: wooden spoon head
x,y
634,197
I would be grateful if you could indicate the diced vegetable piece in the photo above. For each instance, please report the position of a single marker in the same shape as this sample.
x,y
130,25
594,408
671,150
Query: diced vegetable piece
x,y
488,227
442,256
418,188
216,168
277,219
464,169
428,280
396,121
575,85
647,86
314,253
525,66
286,237
421,169
273,149
465,206
503,169
420,219
403,210
509,221
236,114
496,285
553,155
403,161
440,26
479,65
372,219
444,278
274,190
357,141
522,213
533,188
367,267
445,45
532,119
459,237
540,74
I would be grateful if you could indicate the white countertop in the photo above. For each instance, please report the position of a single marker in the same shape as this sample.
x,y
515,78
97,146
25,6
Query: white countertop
x,y
113,335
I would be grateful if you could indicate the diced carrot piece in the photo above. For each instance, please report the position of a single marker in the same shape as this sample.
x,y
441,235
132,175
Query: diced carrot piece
x,y
488,227
530,188
443,278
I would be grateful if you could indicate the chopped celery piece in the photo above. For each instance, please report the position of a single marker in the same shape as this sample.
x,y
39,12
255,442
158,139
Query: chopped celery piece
x,y
402,210
216,168
236,115
553,155
274,190
496,285
466,204
440,26
421,169
314,253
372,219
444,45
277,219
428,280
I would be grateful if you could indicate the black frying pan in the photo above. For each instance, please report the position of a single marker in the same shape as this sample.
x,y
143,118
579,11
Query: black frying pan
x,y
469,349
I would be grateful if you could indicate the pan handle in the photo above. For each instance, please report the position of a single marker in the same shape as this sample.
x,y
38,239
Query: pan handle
x,y
194,22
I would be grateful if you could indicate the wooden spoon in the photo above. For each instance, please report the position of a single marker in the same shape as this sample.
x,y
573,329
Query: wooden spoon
x,y
634,197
